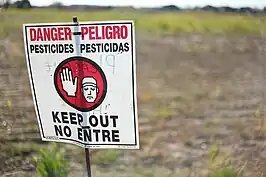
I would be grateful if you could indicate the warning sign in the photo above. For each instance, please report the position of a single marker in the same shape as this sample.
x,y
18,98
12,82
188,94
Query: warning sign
x,y
84,90
83,81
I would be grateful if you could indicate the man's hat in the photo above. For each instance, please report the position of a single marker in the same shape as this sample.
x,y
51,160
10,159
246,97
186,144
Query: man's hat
x,y
89,81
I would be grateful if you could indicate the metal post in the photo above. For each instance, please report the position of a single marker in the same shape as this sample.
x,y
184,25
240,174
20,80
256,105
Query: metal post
x,y
88,162
77,35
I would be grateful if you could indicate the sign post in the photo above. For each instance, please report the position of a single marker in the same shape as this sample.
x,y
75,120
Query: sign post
x,y
83,83
77,35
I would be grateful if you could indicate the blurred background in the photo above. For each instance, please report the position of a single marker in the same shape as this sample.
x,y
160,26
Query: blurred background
x,y
200,88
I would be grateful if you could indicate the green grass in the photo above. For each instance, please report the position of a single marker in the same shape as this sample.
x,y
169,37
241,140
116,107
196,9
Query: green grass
x,y
51,163
224,172
166,22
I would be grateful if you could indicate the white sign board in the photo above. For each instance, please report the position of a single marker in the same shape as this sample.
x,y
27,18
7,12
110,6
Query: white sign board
x,y
83,81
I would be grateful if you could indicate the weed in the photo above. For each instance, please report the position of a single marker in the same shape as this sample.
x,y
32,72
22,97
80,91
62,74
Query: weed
x,y
224,172
105,157
51,163
220,165
162,112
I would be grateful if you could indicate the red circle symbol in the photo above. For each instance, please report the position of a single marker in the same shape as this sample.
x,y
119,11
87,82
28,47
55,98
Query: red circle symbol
x,y
81,83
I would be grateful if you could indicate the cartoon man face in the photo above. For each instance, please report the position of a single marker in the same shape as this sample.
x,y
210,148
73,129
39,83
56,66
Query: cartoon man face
x,y
89,89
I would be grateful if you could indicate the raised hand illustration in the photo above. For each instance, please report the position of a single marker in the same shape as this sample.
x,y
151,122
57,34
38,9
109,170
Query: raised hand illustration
x,y
69,84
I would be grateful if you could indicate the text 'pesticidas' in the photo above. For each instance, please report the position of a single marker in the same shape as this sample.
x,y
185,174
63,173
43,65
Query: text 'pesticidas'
x,y
101,128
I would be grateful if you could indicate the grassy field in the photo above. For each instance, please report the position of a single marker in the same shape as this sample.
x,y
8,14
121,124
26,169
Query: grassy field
x,y
200,96
166,22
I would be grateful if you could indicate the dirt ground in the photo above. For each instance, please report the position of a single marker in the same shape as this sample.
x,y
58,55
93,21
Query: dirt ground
x,y
194,91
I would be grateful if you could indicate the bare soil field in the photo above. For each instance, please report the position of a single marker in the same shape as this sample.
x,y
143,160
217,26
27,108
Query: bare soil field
x,y
194,92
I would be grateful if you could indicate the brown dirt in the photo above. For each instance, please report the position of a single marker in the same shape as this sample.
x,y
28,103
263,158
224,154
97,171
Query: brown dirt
x,y
193,91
